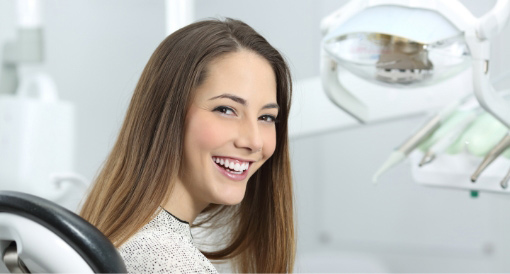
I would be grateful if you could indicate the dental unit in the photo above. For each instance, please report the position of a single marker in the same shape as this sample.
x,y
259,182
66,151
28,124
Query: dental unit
x,y
414,46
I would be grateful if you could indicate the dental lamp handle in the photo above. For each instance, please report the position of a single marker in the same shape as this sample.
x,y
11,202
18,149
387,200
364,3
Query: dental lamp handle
x,y
332,85
479,46
485,93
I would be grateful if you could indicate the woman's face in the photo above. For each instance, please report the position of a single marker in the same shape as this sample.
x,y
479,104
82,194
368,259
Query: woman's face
x,y
230,128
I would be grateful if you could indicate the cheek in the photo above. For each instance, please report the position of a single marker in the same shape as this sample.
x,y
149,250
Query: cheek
x,y
204,133
269,143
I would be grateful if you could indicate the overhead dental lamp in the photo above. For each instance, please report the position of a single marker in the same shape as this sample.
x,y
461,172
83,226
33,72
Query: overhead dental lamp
x,y
408,45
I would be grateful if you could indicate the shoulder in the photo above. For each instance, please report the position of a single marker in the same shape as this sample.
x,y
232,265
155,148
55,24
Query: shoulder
x,y
152,250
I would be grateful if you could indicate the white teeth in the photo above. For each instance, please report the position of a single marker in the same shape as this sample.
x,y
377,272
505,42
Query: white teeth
x,y
237,167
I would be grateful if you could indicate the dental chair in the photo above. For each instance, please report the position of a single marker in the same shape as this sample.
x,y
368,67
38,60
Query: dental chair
x,y
37,235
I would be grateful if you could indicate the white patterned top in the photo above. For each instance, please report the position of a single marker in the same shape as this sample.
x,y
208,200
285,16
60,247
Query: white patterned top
x,y
164,244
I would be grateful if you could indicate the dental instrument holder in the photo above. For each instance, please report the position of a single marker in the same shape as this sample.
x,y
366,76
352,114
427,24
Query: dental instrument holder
x,y
37,141
454,170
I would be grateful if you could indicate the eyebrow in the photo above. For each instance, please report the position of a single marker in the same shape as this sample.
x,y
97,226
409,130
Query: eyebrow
x,y
242,101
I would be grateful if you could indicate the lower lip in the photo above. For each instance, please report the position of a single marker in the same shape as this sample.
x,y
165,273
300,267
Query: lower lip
x,y
235,177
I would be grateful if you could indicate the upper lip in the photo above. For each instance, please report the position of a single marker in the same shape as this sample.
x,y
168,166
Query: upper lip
x,y
236,158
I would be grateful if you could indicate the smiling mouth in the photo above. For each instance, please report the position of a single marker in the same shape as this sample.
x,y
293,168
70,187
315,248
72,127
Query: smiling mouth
x,y
232,166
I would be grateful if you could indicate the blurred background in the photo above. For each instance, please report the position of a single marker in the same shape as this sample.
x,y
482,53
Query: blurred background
x,y
96,50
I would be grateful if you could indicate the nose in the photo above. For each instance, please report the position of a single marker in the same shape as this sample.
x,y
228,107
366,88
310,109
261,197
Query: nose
x,y
249,137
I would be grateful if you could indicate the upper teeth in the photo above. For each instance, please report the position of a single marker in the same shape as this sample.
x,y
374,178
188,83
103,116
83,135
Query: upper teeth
x,y
235,165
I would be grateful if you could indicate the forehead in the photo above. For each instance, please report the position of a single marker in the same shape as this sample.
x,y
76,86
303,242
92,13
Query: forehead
x,y
243,73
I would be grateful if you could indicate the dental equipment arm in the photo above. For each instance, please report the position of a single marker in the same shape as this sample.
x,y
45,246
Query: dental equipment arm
x,y
491,156
493,22
331,85
479,46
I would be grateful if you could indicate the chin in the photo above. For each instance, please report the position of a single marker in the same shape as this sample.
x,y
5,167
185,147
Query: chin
x,y
231,196
231,200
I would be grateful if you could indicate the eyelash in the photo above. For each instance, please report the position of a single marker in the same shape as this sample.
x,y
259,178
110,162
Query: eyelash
x,y
273,119
224,109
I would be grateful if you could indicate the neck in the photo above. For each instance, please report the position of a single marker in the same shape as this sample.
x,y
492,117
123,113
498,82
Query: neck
x,y
182,205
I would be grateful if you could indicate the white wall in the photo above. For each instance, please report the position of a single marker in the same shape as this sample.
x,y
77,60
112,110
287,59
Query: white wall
x,y
96,51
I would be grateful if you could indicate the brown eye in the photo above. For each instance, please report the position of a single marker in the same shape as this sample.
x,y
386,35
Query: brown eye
x,y
268,118
225,110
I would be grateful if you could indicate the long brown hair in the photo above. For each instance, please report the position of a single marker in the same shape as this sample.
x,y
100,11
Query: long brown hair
x,y
145,160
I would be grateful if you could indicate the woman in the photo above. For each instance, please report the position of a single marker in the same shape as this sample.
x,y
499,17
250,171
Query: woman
x,y
204,141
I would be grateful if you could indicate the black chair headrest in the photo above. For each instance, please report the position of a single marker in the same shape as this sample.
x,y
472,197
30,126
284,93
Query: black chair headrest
x,y
87,240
